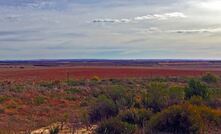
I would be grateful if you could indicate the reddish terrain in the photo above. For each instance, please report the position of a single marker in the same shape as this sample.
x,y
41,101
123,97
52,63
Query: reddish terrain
x,y
62,73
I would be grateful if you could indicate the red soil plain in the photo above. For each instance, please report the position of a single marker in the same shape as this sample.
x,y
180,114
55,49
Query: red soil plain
x,y
81,72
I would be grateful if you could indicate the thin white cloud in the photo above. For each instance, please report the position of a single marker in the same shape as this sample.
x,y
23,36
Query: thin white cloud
x,y
161,16
164,16
192,31
182,31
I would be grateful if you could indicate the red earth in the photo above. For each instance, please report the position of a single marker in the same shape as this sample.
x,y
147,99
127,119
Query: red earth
x,y
62,73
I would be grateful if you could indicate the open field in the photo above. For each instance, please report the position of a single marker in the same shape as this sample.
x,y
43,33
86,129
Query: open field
x,y
39,74
37,71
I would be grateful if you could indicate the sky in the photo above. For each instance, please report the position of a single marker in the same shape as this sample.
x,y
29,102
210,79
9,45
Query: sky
x,y
110,29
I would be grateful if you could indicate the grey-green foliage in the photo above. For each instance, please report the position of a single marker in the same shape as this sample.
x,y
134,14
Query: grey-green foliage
x,y
156,96
103,108
196,88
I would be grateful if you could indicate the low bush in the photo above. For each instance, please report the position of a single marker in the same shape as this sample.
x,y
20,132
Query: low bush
x,y
103,108
177,119
159,79
39,100
196,88
156,97
115,126
135,116
210,78
70,98
116,92
48,85
122,98
74,83
3,99
17,88
176,95
196,100
209,115
72,91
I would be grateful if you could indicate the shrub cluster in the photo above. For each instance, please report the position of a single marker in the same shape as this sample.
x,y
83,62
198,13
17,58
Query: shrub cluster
x,y
115,126
158,109
177,119
210,78
197,88
135,116
104,108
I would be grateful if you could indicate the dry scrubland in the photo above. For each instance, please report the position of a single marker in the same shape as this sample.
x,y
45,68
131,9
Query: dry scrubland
x,y
114,106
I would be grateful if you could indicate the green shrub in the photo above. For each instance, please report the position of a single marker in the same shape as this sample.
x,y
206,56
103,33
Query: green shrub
x,y
70,98
210,78
135,116
121,97
72,91
39,100
48,85
116,92
71,82
196,88
3,98
177,119
156,97
115,126
159,79
104,108
176,95
127,100
215,92
17,88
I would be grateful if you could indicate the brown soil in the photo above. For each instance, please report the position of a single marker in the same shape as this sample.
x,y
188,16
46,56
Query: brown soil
x,y
62,73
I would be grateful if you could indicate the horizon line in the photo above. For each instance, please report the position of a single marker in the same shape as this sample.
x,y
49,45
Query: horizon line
x,y
114,59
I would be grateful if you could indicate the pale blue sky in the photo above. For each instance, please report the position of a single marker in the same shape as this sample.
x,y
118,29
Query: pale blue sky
x,y
112,29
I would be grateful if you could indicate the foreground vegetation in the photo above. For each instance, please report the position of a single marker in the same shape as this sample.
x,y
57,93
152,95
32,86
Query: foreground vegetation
x,y
116,106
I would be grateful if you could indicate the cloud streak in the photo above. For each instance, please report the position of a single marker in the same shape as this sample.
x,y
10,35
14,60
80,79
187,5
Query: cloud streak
x,y
164,16
195,31
183,31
